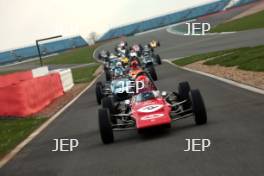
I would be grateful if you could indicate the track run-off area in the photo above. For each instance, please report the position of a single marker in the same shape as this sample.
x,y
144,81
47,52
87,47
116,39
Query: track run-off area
x,y
235,125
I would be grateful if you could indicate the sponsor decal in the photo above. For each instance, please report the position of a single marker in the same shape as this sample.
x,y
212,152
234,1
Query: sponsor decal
x,y
128,86
150,108
151,117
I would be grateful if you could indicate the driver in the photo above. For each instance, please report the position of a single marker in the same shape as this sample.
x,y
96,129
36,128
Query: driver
x,y
118,70
148,95
134,69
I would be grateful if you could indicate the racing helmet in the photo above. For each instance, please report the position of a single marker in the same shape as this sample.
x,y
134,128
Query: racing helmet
x,y
118,64
124,60
145,81
118,72
112,56
133,54
134,64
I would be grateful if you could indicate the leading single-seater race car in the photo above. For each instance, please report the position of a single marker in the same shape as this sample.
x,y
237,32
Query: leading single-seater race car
x,y
149,109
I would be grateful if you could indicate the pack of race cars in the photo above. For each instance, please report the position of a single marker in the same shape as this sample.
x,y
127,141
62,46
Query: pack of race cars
x,y
129,98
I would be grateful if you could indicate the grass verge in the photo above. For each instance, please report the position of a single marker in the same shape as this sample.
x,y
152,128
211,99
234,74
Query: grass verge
x,y
84,74
245,23
76,56
199,57
13,131
250,58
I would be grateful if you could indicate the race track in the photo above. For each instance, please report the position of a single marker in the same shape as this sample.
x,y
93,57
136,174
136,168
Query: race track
x,y
235,127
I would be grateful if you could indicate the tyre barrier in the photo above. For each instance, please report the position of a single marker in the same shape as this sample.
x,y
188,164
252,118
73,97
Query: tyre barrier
x,y
24,98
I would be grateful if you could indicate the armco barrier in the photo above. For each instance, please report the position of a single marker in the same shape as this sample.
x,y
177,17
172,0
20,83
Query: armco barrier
x,y
66,78
30,96
15,78
41,71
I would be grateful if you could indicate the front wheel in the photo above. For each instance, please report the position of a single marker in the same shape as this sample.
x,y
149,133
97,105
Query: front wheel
x,y
158,59
183,91
198,107
153,73
108,103
105,126
99,92
107,75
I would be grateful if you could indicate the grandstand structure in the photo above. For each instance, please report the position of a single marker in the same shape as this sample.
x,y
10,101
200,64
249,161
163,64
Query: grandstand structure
x,y
173,18
48,48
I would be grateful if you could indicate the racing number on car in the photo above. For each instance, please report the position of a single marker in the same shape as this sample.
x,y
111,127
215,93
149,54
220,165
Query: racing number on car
x,y
150,108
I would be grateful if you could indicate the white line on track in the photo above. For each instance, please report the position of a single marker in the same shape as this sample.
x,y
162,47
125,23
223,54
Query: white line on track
x,y
20,146
240,85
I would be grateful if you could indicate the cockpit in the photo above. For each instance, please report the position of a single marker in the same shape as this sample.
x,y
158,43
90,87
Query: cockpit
x,y
147,96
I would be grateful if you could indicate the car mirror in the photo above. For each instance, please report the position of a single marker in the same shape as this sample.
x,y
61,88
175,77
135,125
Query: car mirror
x,y
164,93
127,102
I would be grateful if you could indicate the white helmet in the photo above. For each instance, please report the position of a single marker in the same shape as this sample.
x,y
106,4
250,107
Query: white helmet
x,y
133,54
112,56
118,64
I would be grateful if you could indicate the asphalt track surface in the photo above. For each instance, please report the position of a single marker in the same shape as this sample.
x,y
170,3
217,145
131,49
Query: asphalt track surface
x,y
235,127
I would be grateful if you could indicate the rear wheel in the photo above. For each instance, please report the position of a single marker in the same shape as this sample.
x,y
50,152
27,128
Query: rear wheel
x,y
105,126
153,73
198,107
99,92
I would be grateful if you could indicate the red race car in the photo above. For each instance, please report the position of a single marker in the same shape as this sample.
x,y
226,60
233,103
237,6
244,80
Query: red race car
x,y
136,68
149,108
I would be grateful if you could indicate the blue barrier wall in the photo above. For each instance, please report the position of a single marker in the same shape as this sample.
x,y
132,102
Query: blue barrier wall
x,y
45,48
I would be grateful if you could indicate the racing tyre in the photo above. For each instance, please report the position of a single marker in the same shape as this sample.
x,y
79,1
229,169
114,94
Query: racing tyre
x,y
183,91
99,92
141,47
158,60
107,75
100,57
153,73
105,126
108,103
105,68
198,107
